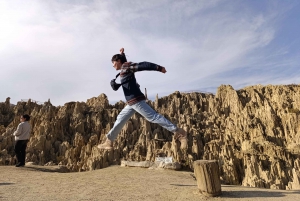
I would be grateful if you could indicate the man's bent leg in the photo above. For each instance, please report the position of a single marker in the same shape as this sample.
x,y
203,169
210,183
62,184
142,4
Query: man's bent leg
x,y
122,118
151,115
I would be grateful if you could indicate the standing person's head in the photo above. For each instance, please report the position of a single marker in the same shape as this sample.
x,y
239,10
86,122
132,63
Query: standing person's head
x,y
118,61
24,117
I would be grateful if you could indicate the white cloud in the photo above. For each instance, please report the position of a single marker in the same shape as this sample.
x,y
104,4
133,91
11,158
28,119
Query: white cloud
x,y
62,51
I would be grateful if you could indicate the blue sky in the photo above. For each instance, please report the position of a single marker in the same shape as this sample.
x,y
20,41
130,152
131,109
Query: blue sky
x,y
62,49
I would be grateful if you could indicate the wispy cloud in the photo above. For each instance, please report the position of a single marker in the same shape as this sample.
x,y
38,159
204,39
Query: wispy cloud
x,y
62,51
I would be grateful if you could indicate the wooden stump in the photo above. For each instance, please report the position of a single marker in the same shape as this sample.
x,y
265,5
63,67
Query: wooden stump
x,y
208,177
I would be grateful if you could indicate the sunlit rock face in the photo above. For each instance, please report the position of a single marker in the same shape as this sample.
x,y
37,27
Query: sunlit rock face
x,y
252,132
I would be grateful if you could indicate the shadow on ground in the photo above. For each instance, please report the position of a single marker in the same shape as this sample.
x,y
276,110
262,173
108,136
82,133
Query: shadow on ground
x,y
5,184
47,169
264,193
182,185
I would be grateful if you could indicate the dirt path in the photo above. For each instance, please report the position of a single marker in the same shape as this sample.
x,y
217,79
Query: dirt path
x,y
117,183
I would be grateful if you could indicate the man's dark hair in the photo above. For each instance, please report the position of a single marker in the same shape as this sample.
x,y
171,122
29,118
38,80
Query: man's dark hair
x,y
116,57
26,117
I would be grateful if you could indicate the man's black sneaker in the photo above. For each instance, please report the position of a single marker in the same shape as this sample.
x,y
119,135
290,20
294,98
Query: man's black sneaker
x,y
20,164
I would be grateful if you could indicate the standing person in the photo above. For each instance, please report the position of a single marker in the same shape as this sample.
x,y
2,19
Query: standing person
x,y
136,100
22,135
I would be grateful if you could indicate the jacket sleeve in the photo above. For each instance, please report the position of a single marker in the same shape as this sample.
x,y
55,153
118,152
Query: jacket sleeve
x,y
18,131
147,66
124,56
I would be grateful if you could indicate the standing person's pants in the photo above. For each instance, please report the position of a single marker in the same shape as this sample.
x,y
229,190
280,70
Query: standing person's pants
x,y
146,111
20,150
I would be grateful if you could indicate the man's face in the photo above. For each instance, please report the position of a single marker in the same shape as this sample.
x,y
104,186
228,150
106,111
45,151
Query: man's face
x,y
117,64
22,119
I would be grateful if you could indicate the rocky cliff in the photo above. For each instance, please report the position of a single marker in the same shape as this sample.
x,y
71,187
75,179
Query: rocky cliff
x,y
252,132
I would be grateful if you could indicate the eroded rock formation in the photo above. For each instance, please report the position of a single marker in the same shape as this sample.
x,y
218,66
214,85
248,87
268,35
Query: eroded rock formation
x,y
252,132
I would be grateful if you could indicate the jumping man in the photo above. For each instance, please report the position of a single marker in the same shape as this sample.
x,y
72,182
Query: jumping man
x,y
136,101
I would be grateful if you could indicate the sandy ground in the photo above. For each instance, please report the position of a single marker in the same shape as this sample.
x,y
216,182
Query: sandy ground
x,y
118,183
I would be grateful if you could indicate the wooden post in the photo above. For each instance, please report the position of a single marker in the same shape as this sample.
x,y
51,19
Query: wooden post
x,y
208,177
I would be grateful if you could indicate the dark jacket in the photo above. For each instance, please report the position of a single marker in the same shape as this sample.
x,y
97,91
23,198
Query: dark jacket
x,y
131,89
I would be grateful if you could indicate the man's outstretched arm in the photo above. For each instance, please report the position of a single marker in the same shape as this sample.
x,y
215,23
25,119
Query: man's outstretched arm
x,y
146,66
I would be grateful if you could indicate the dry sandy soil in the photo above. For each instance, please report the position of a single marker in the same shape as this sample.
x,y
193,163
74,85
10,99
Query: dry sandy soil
x,y
118,183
